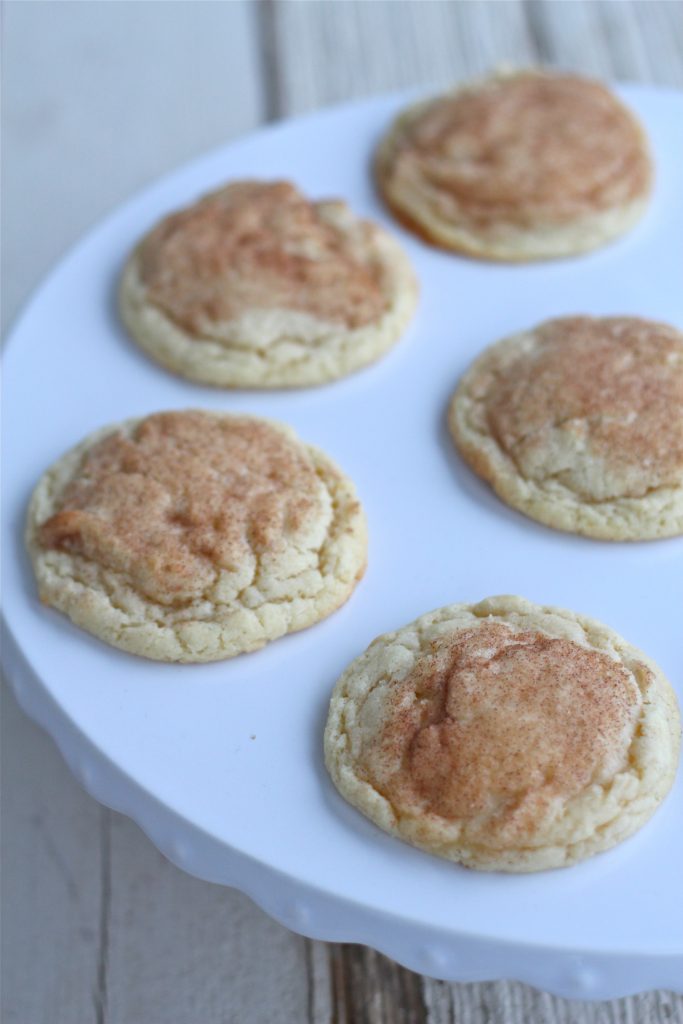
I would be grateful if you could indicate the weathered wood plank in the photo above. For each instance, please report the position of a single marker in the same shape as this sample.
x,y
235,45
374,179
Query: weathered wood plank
x,y
348,49
629,40
340,50
124,92
50,881
368,988
180,950
600,39
509,1003
660,28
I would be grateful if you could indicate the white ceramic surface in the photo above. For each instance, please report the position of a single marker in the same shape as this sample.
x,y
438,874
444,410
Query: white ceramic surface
x,y
221,764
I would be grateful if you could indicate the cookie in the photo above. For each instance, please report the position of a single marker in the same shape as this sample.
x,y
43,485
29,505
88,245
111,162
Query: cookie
x,y
579,424
256,286
527,165
504,735
194,536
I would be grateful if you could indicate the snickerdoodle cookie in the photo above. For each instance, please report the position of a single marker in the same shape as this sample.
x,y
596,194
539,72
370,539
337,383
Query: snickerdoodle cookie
x,y
504,735
521,166
578,423
194,536
257,286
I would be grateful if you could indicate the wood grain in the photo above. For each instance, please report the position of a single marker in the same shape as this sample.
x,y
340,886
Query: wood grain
x,y
97,927
113,96
213,957
50,882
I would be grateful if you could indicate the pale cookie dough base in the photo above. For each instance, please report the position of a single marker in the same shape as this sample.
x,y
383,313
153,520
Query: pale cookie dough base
x,y
103,602
507,243
658,514
272,348
418,207
597,819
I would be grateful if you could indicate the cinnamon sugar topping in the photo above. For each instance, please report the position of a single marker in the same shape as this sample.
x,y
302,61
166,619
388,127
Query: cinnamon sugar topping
x,y
259,246
184,496
595,403
495,726
525,149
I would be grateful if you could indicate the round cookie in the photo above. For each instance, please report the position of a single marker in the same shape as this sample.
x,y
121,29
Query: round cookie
x,y
194,536
579,424
504,735
256,286
525,165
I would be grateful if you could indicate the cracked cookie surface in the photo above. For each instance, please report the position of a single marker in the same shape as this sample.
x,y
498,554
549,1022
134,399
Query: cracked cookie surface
x,y
579,424
256,286
521,166
195,536
504,735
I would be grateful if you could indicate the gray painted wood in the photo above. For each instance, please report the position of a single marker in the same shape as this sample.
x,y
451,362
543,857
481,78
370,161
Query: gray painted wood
x,y
101,98
180,950
338,50
97,926
50,882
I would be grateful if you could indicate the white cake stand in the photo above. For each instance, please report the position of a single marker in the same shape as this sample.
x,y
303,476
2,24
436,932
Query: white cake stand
x,y
221,764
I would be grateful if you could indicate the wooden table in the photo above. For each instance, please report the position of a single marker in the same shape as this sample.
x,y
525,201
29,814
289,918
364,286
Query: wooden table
x,y
99,99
